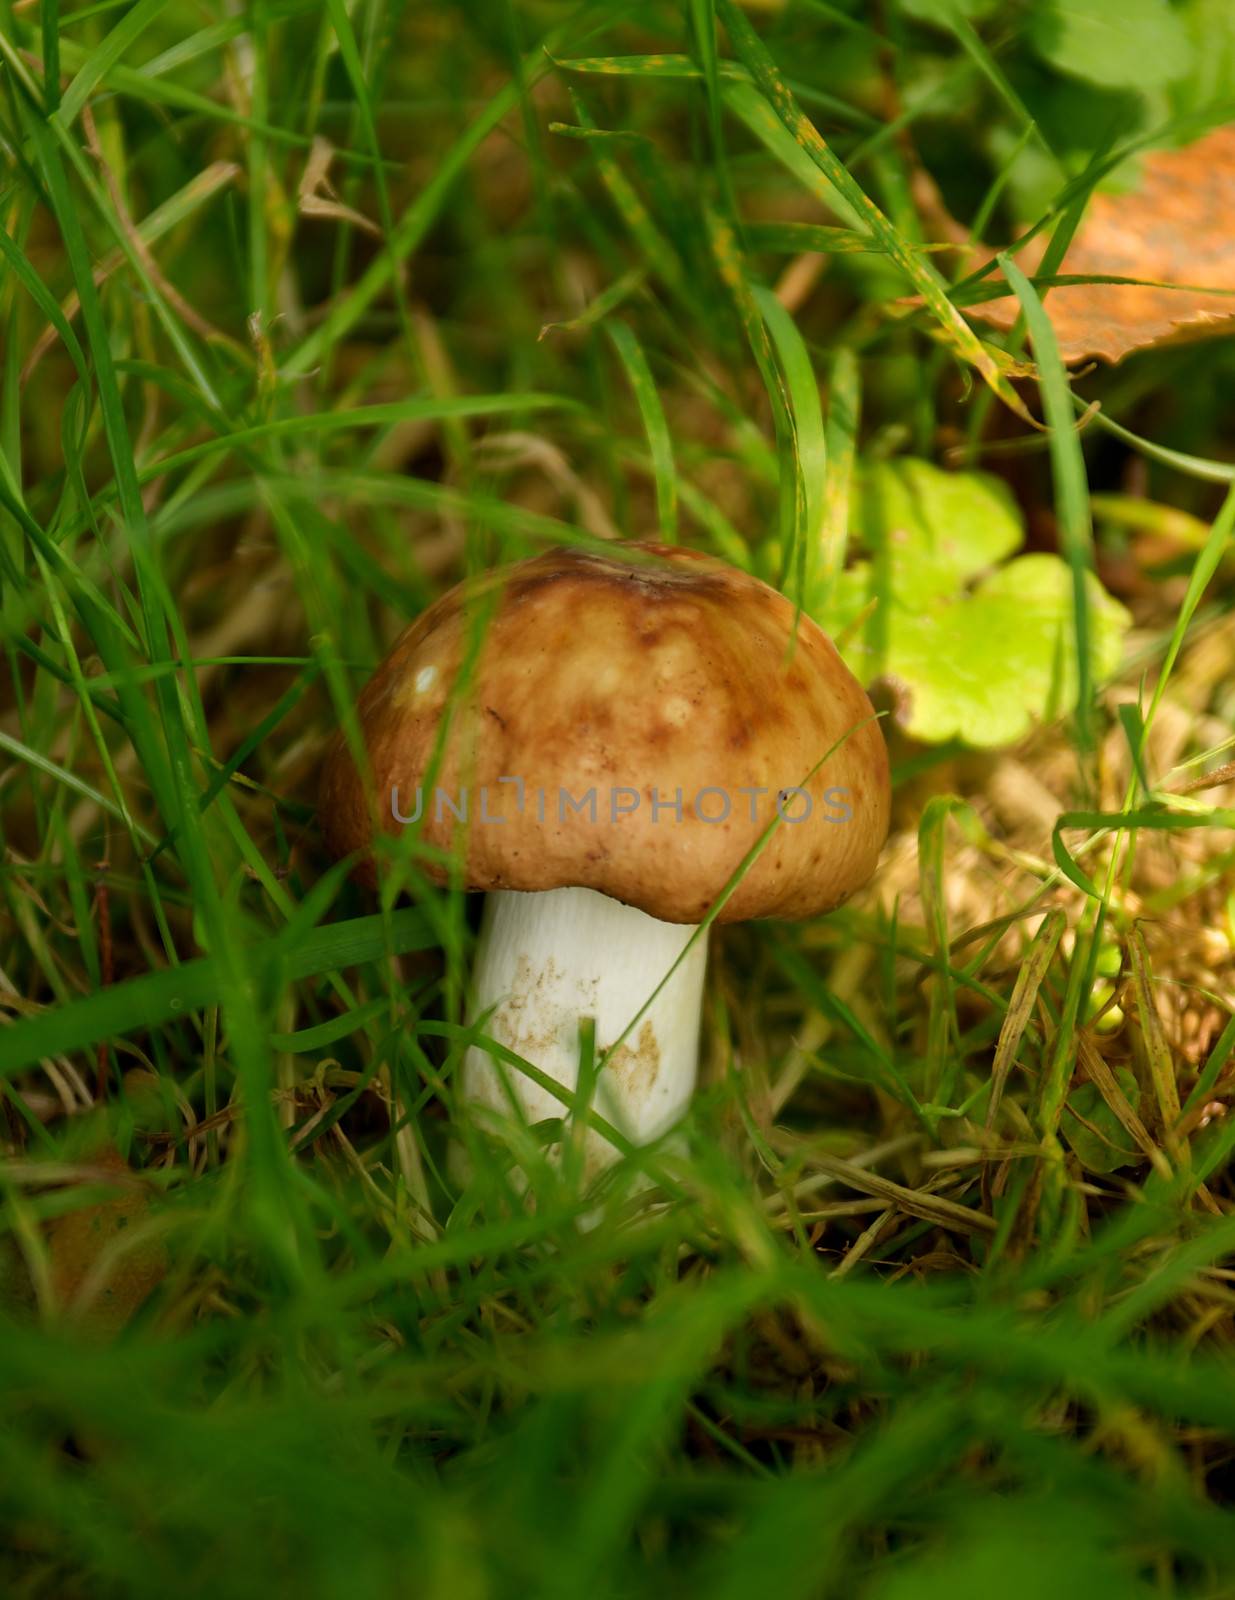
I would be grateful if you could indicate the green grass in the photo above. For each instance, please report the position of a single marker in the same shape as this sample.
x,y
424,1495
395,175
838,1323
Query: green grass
x,y
872,1330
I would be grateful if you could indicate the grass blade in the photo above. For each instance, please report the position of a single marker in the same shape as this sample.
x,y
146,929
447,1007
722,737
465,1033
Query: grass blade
x,y
809,443
160,997
643,386
97,64
955,330
1071,483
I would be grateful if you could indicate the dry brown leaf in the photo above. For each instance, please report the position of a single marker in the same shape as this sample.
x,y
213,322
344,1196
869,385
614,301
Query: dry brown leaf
x,y
1177,227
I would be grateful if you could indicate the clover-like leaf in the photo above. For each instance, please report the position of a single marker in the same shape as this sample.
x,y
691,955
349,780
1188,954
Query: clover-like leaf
x,y
936,528
1098,1138
975,651
1134,44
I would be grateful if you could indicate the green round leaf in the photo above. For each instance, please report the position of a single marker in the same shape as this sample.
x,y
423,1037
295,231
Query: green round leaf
x,y
935,529
974,660
1121,44
1098,1138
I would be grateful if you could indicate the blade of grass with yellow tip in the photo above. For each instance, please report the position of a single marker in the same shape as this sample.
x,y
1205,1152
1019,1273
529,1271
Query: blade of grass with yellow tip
x,y
956,332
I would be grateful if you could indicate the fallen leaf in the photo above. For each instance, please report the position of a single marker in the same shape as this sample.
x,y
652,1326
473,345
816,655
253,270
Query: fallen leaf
x,y
1176,227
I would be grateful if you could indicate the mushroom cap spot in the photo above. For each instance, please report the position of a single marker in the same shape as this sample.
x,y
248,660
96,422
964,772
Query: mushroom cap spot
x,y
656,670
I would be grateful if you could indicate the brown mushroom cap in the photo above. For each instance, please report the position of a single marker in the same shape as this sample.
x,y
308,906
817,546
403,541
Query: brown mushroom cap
x,y
636,677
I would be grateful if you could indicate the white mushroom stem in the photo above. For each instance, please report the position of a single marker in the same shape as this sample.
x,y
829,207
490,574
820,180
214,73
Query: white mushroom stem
x,y
548,960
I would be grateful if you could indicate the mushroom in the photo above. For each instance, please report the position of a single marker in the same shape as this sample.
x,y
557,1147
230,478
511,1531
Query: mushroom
x,y
601,741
